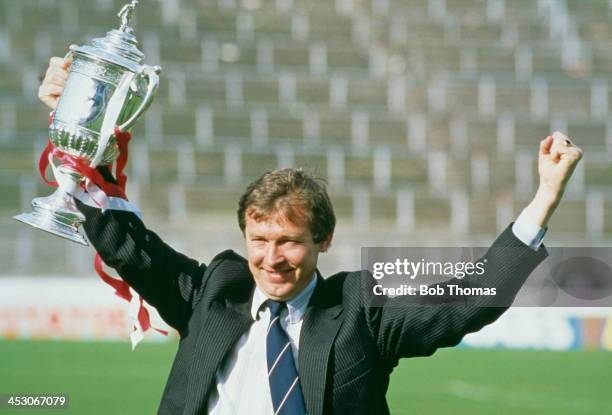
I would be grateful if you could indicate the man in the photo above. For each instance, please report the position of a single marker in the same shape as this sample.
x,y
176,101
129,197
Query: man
x,y
268,334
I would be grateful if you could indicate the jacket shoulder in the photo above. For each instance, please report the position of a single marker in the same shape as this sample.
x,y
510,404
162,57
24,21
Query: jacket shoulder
x,y
227,255
347,287
228,276
230,265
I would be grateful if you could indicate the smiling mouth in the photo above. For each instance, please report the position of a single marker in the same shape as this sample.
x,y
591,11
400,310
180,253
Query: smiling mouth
x,y
277,273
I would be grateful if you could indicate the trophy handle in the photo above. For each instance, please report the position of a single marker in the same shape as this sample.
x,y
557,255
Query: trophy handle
x,y
71,49
151,73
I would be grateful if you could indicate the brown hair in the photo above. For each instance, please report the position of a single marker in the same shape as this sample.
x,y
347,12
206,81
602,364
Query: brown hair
x,y
295,193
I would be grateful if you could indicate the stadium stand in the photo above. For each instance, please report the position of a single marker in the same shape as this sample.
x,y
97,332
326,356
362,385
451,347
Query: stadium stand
x,y
422,115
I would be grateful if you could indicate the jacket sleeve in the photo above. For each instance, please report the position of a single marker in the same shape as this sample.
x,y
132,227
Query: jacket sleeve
x,y
403,328
166,279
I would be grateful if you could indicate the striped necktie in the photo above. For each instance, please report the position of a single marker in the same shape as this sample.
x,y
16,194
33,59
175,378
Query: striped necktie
x,y
285,387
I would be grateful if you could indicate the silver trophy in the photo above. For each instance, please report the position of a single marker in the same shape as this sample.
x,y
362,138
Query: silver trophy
x,y
108,86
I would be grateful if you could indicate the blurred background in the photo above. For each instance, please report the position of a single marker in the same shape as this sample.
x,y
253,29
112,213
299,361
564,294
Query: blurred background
x,y
423,116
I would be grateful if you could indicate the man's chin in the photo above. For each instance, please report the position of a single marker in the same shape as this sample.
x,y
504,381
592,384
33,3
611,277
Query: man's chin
x,y
278,291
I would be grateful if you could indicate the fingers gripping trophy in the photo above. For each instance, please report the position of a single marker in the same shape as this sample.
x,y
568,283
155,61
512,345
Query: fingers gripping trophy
x,y
107,90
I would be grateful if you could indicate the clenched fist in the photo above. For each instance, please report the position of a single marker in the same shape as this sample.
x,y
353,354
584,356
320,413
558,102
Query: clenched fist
x,y
557,160
55,79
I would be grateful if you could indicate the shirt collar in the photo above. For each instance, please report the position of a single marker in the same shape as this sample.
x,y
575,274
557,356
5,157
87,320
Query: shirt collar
x,y
296,307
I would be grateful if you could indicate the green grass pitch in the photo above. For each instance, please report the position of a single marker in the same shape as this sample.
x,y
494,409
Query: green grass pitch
x,y
107,378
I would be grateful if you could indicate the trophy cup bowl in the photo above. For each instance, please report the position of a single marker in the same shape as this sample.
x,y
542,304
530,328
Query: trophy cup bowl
x,y
108,85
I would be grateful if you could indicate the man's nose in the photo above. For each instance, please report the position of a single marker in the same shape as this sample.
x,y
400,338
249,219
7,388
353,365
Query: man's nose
x,y
274,255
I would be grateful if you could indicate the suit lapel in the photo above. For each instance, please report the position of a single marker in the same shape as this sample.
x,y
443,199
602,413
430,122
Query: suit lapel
x,y
321,323
225,324
228,321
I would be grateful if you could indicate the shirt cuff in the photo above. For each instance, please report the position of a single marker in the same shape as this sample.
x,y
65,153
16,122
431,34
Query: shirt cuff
x,y
528,232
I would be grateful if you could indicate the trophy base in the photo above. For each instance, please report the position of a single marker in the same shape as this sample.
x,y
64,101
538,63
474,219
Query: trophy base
x,y
57,215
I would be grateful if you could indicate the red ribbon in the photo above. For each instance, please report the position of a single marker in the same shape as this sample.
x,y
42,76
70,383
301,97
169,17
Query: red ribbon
x,y
122,288
123,139
82,167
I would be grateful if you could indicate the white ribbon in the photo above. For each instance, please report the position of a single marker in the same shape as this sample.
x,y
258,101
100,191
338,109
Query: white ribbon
x,y
115,104
114,203
97,194
64,181
137,333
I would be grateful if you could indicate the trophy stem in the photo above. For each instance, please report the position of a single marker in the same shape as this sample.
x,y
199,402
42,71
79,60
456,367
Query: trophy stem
x,y
57,213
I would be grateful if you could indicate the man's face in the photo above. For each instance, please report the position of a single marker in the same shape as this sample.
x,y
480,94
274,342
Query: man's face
x,y
282,255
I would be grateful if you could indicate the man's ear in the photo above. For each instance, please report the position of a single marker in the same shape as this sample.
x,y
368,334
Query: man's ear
x,y
324,246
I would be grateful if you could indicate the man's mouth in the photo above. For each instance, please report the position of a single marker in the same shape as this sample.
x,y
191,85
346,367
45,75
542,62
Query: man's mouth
x,y
280,274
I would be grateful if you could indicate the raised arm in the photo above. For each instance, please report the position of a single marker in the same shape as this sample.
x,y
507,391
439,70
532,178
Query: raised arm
x,y
166,279
403,329
406,326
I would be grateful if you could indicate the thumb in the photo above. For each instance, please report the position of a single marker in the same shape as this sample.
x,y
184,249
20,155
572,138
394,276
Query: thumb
x,y
545,146
67,62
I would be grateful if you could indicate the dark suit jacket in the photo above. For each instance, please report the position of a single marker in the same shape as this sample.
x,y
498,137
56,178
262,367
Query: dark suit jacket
x,y
348,347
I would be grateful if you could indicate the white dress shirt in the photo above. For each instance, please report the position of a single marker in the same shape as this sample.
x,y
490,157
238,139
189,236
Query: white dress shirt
x,y
242,380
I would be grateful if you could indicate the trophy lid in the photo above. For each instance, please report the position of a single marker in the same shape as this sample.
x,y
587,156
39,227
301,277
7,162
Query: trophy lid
x,y
119,46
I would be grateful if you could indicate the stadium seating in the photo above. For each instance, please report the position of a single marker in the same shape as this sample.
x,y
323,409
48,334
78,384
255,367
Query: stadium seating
x,y
423,116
